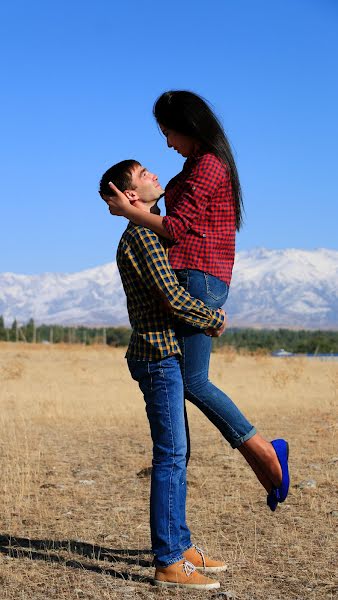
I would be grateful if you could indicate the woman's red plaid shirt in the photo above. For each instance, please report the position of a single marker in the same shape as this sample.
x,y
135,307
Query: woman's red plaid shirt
x,y
201,217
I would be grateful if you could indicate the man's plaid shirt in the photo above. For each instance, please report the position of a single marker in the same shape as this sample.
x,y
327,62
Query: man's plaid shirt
x,y
201,217
154,296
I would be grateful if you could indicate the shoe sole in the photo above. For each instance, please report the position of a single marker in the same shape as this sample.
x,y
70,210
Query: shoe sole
x,y
287,450
190,586
212,569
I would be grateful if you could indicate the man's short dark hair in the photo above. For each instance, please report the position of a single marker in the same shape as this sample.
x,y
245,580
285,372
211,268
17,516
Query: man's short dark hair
x,y
121,175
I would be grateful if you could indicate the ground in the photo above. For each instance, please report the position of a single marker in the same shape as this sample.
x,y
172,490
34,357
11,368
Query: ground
x,y
75,456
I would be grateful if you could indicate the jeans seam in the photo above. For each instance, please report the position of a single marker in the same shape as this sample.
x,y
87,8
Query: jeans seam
x,y
150,377
172,464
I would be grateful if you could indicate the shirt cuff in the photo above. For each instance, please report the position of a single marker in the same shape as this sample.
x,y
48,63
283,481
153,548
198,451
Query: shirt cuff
x,y
175,226
218,320
166,222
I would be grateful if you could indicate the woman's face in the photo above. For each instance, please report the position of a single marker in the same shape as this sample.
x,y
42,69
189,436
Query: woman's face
x,y
183,144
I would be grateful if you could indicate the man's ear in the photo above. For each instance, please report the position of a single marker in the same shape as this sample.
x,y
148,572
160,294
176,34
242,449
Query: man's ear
x,y
131,195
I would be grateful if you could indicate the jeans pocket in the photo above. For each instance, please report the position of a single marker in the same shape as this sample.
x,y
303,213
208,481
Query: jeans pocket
x,y
216,288
136,367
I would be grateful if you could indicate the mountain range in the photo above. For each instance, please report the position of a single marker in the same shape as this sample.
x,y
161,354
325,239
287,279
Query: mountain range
x,y
270,288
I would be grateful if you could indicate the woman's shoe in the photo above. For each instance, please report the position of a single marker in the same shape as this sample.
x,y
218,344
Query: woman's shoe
x,y
271,500
279,494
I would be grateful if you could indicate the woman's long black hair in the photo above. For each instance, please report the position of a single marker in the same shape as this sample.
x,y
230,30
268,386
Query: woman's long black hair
x,y
189,114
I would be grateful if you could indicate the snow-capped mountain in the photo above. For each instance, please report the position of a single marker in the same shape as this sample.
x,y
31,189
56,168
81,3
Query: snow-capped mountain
x,y
285,288
91,297
270,288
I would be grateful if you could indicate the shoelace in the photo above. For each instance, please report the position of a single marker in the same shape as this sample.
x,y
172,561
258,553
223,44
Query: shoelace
x,y
201,552
188,568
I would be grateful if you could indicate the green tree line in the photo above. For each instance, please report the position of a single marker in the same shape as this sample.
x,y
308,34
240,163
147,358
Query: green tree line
x,y
56,334
302,341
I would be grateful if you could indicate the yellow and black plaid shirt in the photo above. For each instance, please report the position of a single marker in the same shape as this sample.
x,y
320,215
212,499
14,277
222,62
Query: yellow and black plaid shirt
x,y
154,296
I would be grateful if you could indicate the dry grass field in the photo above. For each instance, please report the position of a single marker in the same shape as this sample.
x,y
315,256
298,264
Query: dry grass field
x,y
74,445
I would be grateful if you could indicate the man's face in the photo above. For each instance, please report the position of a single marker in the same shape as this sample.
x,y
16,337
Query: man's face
x,y
146,185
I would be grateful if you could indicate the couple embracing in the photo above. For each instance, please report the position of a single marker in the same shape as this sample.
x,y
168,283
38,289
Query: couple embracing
x,y
176,271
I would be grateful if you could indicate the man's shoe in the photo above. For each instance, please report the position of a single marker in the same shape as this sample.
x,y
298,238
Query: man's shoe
x,y
279,494
183,574
201,562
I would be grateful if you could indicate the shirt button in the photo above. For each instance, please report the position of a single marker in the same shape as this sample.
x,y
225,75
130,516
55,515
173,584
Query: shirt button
x,y
204,235
193,188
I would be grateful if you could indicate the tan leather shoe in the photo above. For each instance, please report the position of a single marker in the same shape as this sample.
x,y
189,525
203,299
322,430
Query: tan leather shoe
x,y
183,574
202,562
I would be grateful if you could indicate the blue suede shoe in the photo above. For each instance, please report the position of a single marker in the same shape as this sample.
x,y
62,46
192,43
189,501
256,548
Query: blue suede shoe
x,y
271,500
279,494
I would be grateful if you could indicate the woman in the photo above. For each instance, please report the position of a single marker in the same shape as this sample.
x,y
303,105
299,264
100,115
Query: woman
x,y
204,210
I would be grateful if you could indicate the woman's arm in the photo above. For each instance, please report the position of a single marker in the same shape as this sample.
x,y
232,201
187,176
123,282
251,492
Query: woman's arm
x,y
194,194
121,206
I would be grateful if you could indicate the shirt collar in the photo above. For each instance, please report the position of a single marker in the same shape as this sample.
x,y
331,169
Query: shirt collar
x,y
194,157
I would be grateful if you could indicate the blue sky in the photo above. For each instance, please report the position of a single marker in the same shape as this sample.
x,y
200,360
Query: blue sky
x,y
79,81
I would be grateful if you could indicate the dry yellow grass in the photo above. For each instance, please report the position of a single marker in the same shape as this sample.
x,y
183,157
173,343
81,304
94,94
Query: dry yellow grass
x,y
74,512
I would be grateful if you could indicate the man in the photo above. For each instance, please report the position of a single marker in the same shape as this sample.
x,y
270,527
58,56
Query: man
x,y
154,300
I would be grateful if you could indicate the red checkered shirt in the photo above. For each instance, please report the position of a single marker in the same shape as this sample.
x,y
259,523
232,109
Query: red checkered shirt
x,y
201,217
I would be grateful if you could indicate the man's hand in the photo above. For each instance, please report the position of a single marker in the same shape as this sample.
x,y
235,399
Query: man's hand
x,y
217,332
118,203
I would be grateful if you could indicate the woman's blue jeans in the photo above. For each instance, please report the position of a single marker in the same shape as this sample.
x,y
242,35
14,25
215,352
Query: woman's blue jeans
x,y
196,349
162,388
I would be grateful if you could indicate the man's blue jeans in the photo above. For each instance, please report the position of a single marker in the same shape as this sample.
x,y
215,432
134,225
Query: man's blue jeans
x,y
196,349
162,388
